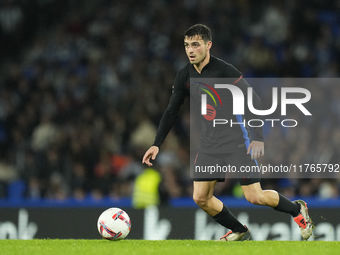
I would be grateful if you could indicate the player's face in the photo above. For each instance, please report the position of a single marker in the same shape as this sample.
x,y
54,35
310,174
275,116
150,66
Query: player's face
x,y
196,49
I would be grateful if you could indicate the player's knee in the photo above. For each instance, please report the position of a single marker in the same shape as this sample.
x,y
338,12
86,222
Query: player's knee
x,y
201,201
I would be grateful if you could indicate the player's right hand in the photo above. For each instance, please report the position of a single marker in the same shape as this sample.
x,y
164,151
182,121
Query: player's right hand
x,y
150,154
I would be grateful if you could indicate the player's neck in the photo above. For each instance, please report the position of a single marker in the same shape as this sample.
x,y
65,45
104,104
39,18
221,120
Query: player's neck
x,y
199,67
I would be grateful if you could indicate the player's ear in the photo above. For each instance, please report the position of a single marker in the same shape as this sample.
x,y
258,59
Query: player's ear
x,y
209,44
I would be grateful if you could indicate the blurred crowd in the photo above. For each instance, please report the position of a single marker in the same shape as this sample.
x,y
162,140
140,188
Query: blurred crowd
x,y
83,85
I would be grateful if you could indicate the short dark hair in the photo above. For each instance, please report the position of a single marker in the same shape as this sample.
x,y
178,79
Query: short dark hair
x,y
199,29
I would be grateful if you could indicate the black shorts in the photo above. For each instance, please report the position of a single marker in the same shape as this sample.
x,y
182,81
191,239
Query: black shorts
x,y
238,165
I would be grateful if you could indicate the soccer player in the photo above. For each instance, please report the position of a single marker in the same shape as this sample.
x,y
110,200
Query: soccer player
x,y
235,142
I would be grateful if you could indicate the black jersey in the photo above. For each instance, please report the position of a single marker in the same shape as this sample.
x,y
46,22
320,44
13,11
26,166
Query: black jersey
x,y
221,139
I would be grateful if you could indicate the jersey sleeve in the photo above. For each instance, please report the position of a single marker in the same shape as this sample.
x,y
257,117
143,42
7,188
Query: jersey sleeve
x,y
257,103
179,93
238,80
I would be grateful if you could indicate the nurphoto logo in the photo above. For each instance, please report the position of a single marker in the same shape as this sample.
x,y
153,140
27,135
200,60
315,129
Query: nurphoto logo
x,y
209,112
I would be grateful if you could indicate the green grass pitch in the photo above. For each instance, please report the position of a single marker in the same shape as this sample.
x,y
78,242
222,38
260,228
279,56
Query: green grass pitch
x,y
167,247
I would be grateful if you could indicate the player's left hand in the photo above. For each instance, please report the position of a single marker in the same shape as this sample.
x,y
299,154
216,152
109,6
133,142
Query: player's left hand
x,y
256,148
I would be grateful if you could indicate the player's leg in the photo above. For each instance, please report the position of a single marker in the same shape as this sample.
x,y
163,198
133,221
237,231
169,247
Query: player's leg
x,y
298,209
255,195
204,198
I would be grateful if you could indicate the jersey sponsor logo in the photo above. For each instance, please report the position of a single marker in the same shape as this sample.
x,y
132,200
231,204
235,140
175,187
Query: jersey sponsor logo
x,y
207,110
211,113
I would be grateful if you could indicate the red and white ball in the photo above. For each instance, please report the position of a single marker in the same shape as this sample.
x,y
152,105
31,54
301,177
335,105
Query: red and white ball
x,y
114,224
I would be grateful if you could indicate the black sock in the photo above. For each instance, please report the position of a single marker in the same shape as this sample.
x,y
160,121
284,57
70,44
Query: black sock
x,y
228,220
287,206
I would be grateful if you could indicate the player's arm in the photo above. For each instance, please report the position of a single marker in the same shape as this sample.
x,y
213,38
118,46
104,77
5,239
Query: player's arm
x,y
256,147
239,81
167,121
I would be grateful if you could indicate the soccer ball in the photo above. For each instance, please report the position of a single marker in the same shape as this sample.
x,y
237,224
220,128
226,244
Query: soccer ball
x,y
114,224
